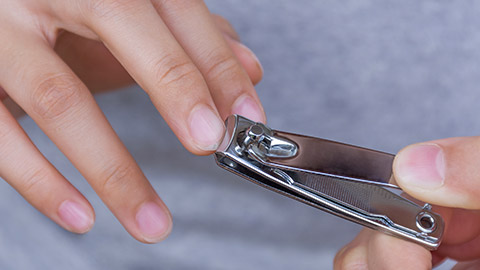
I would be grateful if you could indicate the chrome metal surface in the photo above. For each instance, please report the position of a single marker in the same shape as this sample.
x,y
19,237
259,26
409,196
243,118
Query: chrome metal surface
x,y
345,180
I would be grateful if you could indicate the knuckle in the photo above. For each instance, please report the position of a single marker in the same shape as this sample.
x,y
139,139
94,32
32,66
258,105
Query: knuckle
x,y
116,178
222,68
33,182
171,70
56,95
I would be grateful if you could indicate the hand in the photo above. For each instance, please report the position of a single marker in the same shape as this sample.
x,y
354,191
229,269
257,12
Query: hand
x,y
443,172
188,61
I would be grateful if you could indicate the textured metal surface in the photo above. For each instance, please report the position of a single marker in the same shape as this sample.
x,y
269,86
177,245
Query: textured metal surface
x,y
356,194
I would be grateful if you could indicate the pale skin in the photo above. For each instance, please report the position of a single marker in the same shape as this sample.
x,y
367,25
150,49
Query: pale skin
x,y
445,173
55,53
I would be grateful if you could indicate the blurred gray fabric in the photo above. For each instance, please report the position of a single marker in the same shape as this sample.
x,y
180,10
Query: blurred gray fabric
x,y
376,73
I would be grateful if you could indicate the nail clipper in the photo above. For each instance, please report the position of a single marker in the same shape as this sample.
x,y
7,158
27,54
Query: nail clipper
x,y
348,181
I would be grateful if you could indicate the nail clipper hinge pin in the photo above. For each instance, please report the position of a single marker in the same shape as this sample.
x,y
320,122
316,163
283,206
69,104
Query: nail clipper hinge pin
x,y
261,140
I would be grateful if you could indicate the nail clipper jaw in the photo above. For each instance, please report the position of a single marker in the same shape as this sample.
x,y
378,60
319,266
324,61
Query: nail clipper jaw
x,y
305,168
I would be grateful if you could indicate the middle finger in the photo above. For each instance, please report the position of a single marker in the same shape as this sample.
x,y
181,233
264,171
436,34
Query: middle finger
x,y
140,40
376,250
194,27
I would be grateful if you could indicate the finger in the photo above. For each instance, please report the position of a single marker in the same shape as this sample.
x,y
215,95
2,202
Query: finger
x,y
245,56
3,94
146,48
38,181
437,259
92,62
247,59
225,26
374,250
461,252
460,237
354,254
461,225
13,107
66,111
193,26
443,172
387,252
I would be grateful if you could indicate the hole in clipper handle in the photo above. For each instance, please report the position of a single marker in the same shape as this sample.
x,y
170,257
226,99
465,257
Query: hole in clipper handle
x,y
425,222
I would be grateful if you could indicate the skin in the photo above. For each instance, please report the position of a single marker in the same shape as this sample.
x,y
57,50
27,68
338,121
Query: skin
x,y
455,191
55,54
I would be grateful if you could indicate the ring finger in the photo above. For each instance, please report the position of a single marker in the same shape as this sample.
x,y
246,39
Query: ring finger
x,y
38,181
194,27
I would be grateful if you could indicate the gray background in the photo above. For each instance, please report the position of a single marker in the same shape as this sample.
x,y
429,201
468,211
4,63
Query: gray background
x,y
380,74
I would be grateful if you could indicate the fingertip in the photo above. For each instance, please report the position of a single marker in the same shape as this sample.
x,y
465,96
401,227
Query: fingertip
x,y
354,254
246,106
420,166
419,170
442,172
154,222
251,63
351,257
226,27
76,217
387,252
247,59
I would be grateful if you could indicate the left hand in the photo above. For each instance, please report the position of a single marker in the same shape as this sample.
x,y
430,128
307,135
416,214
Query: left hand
x,y
189,61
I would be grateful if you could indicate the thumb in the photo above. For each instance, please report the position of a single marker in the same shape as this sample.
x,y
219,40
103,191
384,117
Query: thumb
x,y
443,172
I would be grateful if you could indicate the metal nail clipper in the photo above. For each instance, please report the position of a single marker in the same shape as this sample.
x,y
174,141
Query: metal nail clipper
x,y
348,181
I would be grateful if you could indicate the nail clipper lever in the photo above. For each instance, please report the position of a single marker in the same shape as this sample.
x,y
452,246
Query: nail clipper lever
x,y
348,181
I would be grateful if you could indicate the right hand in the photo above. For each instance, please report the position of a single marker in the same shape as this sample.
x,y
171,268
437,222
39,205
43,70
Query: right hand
x,y
442,172
188,61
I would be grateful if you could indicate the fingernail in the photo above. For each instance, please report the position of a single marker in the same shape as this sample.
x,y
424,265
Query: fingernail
x,y
153,222
421,166
206,128
75,216
247,107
